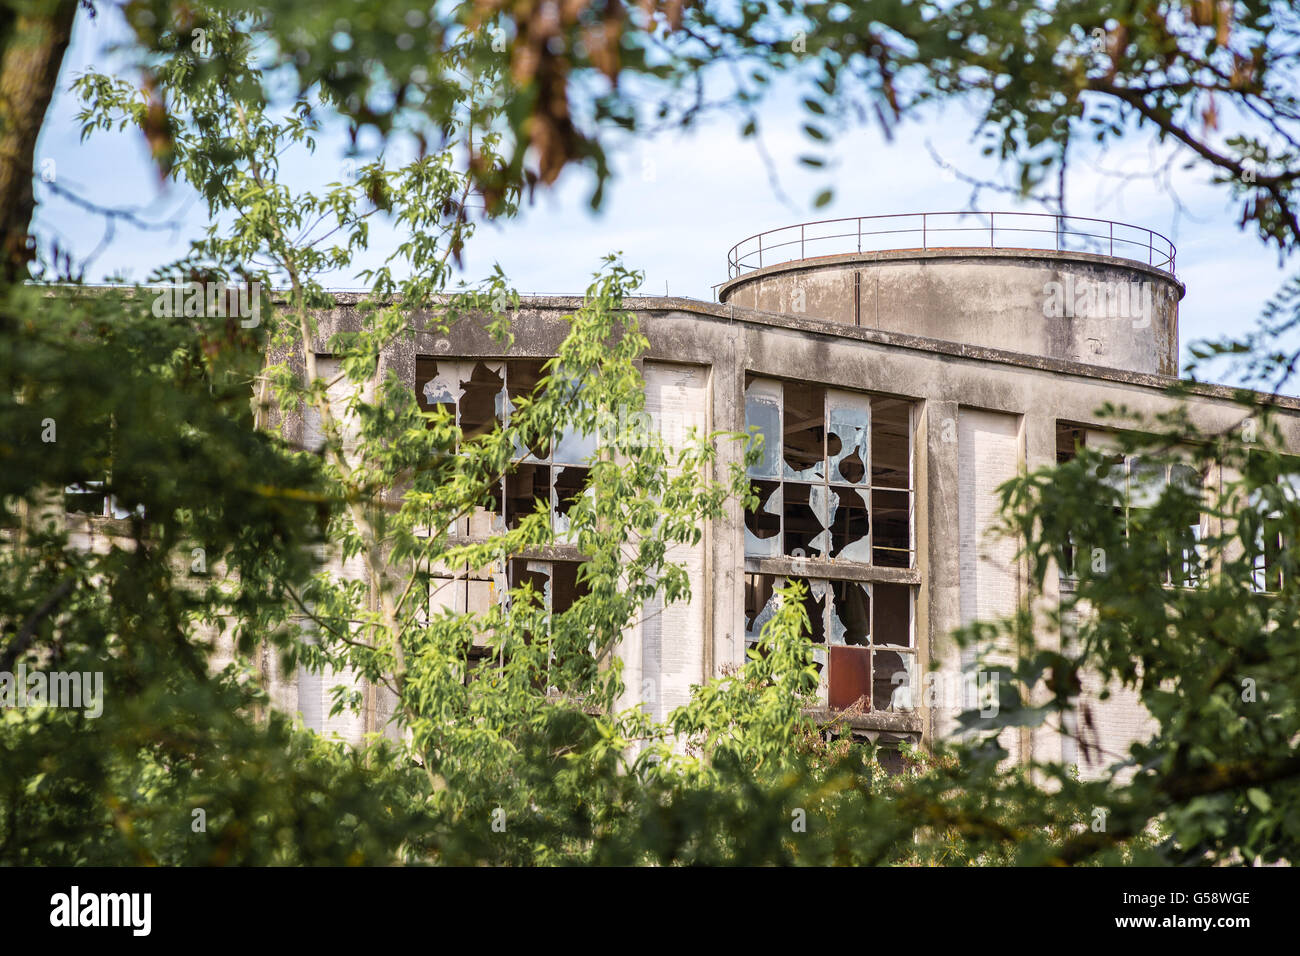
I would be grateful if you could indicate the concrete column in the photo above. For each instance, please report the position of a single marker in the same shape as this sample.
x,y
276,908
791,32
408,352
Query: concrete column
x,y
938,533
1044,743
728,414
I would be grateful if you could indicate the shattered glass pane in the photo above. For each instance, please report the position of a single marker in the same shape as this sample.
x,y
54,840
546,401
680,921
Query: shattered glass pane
x,y
850,613
804,514
763,526
847,442
850,524
570,484
893,621
575,448
482,407
535,574
821,665
763,412
891,443
522,378
815,604
760,603
892,677
438,383
803,438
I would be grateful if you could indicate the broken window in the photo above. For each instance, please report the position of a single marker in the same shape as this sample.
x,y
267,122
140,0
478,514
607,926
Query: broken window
x,y
851,620
467,591
485,518
850,524
556,584
572,456
1147,480
1274,538
482,403
1139,482
570,484
471,392
528,489
804,515
763,414
847,442
892,527
803,431
1069,440
551,585
90,498
548,475
891,443
760,604
763,524
522,378
835,477
549,472
91,495
862,635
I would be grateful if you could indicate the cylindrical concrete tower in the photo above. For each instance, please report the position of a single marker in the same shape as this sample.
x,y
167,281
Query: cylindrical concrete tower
x,y
1080,290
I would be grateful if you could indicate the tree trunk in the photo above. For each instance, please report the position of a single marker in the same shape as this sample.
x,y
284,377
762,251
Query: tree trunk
x,y
34,44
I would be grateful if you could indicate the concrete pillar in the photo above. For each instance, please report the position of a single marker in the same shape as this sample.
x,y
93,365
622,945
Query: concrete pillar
x,y
1045,742
940,598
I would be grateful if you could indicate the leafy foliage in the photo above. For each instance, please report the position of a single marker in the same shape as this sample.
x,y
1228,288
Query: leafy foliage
x,y
533,761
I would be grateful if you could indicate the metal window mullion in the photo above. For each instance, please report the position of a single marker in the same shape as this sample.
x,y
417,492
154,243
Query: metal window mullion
x,y
869,480
780,463
826,624
826,484
911,490
871,624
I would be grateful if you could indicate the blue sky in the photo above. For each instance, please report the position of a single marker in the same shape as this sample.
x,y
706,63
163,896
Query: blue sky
x,y
681,200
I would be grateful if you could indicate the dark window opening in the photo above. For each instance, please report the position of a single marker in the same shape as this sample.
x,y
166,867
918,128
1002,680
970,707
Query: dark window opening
x,y
528,488
862,635
804,434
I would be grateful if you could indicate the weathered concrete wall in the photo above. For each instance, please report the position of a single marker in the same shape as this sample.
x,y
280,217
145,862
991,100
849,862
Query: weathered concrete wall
x,y
666,654
983,412
1073,306
988,454
949,380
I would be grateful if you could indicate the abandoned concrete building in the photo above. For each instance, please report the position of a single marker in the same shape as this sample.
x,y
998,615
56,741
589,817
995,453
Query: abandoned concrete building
x,y
900,368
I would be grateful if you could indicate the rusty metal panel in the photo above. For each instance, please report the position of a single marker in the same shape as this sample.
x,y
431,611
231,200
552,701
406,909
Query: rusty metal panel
x,y
850,677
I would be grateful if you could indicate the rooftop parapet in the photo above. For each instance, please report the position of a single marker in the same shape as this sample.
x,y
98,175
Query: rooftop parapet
x,y
950,230
1071,288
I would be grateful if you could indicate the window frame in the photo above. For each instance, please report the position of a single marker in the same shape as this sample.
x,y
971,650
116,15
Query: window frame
x,y
773,478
